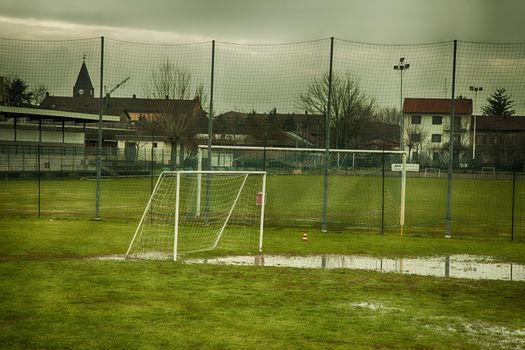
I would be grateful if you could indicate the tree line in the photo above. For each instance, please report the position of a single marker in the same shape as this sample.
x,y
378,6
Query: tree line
x,y
16,92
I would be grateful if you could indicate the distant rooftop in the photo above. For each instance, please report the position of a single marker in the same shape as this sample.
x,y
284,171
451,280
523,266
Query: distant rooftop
x,y
436,105
39,113
117,105
500,123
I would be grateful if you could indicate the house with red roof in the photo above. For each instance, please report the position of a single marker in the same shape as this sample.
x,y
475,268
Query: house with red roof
x,y
427,130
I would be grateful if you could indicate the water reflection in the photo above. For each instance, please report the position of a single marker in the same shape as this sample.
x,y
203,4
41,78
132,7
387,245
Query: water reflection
x,y
457,266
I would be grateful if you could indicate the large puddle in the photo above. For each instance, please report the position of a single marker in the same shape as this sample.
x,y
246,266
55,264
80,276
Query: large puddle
x,y
456,266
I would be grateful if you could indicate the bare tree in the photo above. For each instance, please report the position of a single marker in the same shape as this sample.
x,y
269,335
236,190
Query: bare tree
x,y
350,107
169,80
38,94
460,140
201,94
388,115
414,138
175,119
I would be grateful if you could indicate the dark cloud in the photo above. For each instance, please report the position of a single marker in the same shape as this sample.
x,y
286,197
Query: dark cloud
x,y
380,21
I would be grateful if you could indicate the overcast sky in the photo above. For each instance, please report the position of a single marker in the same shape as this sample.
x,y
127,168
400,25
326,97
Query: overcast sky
x,y
265,21
262,77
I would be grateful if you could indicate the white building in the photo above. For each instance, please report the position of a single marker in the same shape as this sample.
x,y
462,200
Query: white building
x,y
427,130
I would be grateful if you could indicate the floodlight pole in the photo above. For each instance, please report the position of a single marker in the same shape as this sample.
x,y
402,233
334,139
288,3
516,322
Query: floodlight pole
x,y
475,89
401,67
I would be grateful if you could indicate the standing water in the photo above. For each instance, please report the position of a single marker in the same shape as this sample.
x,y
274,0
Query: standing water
x,y
457,266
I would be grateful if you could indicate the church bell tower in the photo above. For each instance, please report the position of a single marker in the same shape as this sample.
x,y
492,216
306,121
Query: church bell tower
x,y
83,86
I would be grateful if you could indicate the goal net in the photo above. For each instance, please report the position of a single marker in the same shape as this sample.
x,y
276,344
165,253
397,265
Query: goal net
x,y
364,190
192,211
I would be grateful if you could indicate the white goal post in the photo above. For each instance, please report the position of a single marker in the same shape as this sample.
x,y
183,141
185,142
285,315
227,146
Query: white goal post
x,y
433,171
228,215
488,170
302,161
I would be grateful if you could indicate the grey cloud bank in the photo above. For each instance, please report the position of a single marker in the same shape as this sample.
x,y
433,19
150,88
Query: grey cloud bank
x,y
376,21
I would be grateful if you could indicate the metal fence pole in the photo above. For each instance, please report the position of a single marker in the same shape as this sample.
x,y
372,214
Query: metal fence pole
x,y
513,199
264,158
38,165
210,132
210,117
383,192
327,138
152,159
99,147
451,148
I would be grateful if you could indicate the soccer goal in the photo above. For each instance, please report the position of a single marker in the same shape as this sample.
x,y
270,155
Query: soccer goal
x,y
488,170
192,211
432,172
357,189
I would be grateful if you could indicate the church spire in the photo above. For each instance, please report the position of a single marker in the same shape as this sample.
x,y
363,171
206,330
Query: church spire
x,y
83,86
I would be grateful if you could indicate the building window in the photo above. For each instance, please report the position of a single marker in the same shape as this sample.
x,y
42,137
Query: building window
x,y
436,156
416,119
436,137
457,123
437,120
154,145
415,137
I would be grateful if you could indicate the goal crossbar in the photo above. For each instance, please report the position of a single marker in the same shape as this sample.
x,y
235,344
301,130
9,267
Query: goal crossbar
x,y
290,149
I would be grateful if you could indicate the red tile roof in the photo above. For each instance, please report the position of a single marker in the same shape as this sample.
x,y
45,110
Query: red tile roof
x,y
436,105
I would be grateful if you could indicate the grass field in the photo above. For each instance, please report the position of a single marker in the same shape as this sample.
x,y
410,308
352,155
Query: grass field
x,y
481,208
55,296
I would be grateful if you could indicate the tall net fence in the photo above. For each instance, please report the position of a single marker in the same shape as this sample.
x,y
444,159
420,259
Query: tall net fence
x,y
157,101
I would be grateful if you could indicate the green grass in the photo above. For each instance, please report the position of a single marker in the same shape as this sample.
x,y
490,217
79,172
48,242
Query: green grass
x,y
87,305
31,238
53,297
480,208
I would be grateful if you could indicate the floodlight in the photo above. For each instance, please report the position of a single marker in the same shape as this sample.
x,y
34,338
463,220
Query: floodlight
x,y
401,67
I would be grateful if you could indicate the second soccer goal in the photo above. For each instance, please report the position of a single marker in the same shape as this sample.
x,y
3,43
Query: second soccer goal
x,y
192,211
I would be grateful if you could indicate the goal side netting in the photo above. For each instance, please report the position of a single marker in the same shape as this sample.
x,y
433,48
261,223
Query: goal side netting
x,y
193,211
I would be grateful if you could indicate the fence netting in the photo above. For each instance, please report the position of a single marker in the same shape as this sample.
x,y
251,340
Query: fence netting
x,y
376,97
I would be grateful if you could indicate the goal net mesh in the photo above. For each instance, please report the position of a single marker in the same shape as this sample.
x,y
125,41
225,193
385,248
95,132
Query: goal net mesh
x,y
215,211
363,190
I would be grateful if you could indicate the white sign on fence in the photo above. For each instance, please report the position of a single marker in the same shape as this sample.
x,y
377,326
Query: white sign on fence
x,y
408,167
